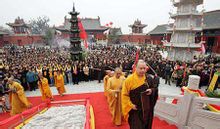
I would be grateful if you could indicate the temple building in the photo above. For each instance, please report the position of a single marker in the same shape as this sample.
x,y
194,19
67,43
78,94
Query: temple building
x,y
20,35
137,36
92,26
137,27
210,31
4,38
160,34
19,26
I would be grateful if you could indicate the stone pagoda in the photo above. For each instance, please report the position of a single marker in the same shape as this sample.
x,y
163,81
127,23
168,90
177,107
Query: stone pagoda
x,y
75,41
188,21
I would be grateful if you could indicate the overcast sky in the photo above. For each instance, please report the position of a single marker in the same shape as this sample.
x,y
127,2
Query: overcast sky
x,y
121,12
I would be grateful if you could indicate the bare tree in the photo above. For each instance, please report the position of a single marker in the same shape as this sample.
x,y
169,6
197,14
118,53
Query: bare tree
x,y
39,25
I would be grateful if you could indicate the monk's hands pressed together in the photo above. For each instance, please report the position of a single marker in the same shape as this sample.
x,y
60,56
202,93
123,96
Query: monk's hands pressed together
x,y
148,91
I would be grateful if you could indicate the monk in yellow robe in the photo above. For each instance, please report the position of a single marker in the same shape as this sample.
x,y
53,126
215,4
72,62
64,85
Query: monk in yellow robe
x,y
18,100
114,92
60,83
44,88
137,90
105,80
111,74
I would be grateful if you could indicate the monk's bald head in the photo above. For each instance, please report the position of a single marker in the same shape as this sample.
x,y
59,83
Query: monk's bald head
x,y
10,80
141,68
118,72
141,63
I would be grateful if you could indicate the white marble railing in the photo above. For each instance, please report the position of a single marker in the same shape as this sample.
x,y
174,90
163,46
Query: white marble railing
x,y
200,118
166,110
189,112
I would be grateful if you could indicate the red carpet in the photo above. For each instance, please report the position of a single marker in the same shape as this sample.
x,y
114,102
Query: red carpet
x,y
101,111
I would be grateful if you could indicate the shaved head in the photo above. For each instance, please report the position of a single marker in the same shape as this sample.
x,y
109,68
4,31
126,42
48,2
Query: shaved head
x,y
141,68
118,72
141,62
10,80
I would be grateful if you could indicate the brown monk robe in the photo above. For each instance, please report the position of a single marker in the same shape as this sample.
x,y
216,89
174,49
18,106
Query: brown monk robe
x,y
18,100
44,88
114,92
60,83
139,111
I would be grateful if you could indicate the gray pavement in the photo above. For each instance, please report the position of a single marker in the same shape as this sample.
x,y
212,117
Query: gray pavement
x,y
94,86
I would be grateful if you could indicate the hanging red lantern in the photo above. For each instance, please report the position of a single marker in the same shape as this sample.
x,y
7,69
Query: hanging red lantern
x,y
107,25
111,23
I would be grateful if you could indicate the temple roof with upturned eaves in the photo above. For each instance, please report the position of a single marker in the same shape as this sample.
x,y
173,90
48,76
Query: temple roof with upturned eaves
x,y
18,22
89,24
137,23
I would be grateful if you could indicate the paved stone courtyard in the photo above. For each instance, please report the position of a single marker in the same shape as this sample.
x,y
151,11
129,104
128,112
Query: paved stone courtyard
x,y
94,86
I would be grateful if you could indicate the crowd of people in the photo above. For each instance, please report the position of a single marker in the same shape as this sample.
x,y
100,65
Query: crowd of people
x,y
42,68
25,63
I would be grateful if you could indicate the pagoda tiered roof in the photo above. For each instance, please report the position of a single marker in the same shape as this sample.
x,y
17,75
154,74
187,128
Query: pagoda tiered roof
x,y
176,3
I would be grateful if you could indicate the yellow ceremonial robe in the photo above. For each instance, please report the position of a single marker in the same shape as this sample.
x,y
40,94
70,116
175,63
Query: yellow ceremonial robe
x,y
18,100
131,83
114,93
105,80
45,89
60,84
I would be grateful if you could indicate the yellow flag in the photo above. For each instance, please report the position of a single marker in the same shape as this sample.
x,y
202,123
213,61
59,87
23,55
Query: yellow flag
x,y
213,82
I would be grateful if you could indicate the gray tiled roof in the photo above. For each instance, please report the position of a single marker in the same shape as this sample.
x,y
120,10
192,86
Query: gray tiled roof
x,y
211,21
3,32
116,31
88,24
92,24
160,29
